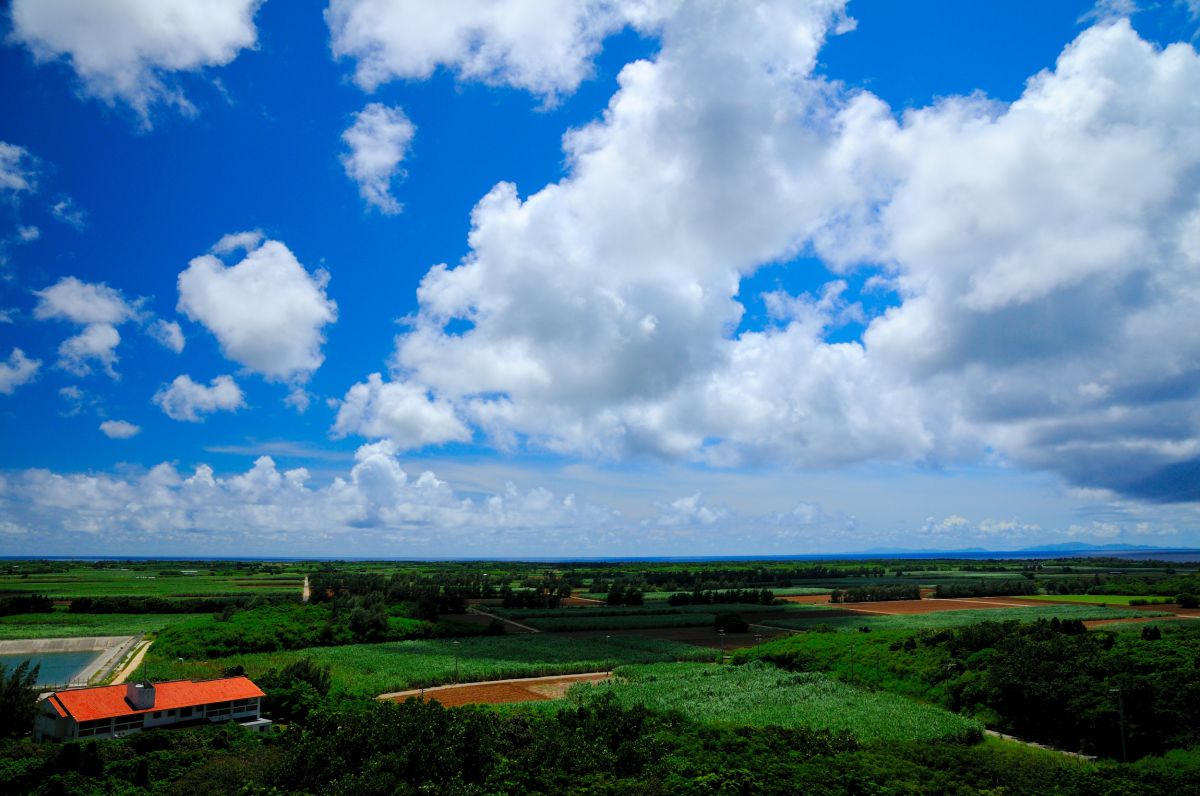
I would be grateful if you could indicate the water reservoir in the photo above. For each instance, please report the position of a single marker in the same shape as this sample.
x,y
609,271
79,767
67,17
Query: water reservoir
x,y
58,668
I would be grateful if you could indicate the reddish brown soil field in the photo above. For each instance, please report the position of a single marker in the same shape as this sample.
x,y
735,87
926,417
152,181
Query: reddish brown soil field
x,y
575,602
1090,623
918,606
805,599
531,690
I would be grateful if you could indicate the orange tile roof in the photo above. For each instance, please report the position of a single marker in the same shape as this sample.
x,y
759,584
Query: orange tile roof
x,y
105,702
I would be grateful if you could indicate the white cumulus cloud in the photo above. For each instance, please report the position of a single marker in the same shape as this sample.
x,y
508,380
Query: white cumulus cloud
x,y
99,309
18,370
378,141
119,429
267,312
168,334
543,46
184,399
1041,257
403,413
127,50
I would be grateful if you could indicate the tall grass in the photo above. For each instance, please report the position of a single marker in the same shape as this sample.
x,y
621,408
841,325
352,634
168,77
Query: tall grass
x,y
761,695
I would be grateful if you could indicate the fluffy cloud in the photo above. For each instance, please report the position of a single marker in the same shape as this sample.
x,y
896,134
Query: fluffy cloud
x,y
99,309
1042,257
404,413
378,141
168,334
18,173
119,429
375,504
266,311
126,49
543,46
18,370
184,399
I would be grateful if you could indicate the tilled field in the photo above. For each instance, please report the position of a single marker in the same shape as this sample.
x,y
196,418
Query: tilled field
x,y
930,606
532,689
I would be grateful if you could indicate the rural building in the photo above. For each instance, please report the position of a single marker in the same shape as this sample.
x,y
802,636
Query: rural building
x,y
114,710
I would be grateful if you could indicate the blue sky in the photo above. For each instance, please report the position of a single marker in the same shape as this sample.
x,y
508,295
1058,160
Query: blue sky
x,y
820,278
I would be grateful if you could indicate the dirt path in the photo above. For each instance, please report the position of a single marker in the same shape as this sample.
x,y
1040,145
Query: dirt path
x,y
517,689
133,664
306,592
1035,745
523,628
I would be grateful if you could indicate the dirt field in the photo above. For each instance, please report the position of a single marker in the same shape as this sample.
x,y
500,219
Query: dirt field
x,y
531,689
575,602
805,599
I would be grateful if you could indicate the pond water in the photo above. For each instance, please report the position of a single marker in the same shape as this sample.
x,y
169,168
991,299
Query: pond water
x,y
57,667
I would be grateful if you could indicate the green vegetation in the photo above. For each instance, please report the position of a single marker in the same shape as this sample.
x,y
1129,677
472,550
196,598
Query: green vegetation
x,y
149,579
1050,681
281,627
1099,599
940,619
61,624
759,695
18,699
367,670
623,622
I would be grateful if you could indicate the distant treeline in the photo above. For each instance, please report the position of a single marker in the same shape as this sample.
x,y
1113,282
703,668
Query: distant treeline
x,y
1165,586
716,578
751,596
869,594
985,588
161,605
26,604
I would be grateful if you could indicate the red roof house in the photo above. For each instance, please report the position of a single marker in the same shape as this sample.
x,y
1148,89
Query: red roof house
x,y
113,710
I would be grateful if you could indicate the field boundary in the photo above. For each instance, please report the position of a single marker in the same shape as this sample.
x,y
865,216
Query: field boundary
x,y
525,628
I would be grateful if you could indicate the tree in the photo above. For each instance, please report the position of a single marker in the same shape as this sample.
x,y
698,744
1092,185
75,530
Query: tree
x,y
18,699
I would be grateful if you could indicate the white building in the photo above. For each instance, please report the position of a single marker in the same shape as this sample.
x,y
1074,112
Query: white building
x,y
113,710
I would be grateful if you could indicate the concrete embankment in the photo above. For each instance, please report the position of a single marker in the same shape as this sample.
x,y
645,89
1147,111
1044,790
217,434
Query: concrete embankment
x,y
110,650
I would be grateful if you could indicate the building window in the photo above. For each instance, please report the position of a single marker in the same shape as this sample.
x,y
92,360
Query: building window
x,y
171,712
158,714
185,712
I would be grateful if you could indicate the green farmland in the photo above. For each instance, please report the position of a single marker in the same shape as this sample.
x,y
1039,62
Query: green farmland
x,y
759,695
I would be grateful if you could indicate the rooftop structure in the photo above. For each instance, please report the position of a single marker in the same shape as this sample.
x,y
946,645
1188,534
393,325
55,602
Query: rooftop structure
x,y
115,710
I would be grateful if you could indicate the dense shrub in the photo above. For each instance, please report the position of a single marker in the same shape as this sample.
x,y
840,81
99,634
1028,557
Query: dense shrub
x,y
865,594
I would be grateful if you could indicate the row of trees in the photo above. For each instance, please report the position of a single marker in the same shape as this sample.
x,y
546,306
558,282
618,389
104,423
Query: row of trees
x,y
985,587
875,593
749,596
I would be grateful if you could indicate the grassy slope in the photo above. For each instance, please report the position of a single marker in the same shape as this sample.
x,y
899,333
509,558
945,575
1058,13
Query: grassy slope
x,y
761,695
62,625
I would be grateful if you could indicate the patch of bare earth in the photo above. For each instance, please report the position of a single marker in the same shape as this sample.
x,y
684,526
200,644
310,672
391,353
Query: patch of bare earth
x,y
533,689
931,606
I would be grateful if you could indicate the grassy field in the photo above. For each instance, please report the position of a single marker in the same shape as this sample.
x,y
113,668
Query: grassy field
x,y
371,669
626,622
143,582
957,618
761,695
1094,599
61,624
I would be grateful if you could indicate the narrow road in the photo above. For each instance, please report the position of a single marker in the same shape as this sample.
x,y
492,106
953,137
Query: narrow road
x,y
133,664
306,592
524,628
400,695
1015,739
